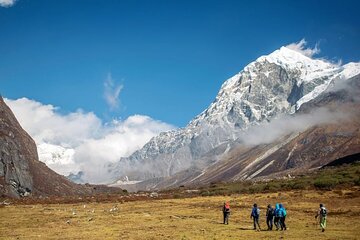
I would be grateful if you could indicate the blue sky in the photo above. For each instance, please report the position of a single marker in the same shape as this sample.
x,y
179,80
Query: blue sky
x,y
163,59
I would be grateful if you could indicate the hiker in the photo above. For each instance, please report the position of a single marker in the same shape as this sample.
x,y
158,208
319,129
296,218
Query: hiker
x,y
270,212
277,216
322,213
282,217
226,212
255,214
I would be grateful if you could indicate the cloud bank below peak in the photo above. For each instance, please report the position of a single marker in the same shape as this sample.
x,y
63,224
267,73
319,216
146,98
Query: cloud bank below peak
x,y
80,141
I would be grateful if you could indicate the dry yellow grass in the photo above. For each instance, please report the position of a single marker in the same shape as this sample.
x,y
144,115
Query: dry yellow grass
x,y
191,218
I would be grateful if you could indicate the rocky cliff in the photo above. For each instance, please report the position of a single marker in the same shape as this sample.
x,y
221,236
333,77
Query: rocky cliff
x,y
17,149
21,173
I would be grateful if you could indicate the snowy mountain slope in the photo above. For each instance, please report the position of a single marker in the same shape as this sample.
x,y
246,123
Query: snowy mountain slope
x,y
275,84
335,136
299,149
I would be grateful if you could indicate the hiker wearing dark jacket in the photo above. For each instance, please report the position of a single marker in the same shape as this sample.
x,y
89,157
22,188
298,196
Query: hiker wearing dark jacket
x,y
270,216
277,216
282,217
322,213
255,215
226,212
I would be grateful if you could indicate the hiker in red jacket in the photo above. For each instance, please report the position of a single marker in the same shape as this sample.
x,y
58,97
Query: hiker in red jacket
x,y
226,212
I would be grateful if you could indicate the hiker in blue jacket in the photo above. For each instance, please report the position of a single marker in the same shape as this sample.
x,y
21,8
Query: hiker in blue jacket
x,y
255,214
277,215
282,217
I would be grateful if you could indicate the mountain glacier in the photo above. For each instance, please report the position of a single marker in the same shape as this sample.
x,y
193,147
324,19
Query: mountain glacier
x,y
276,84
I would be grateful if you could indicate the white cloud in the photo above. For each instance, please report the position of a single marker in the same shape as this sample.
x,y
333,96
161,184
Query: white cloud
x,y
45,125
7,3
81,141
268,132
301,48
112,92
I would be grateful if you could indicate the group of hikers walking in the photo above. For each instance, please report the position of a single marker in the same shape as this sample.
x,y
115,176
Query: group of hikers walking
x,y
274,216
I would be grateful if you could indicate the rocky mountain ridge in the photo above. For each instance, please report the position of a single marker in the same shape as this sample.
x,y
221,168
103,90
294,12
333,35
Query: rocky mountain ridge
x,y
295,152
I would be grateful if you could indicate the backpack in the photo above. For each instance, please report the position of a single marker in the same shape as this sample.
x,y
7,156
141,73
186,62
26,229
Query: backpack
x,y
271,212
323,212
255,212
227,208
284,212
277,212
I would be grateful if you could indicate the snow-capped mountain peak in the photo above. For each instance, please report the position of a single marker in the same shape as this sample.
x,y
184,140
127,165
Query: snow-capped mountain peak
x,y
274,84
290,59
313,74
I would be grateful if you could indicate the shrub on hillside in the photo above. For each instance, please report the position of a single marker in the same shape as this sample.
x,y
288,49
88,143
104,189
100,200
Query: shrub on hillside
x,y
273,186
326,183
295,185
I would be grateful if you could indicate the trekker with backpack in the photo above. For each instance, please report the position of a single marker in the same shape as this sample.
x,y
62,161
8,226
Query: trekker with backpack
x,y
270,212
322,213
277,215
226,212
282,217
255,214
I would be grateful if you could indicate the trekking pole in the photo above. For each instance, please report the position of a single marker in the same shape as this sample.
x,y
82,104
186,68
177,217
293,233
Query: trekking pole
x,y
316,222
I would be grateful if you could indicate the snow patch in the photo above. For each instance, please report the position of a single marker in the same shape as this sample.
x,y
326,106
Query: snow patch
x,y
125,181
261,169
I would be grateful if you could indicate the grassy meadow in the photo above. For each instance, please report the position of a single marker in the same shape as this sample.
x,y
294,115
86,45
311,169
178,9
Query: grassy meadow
x,y
184,218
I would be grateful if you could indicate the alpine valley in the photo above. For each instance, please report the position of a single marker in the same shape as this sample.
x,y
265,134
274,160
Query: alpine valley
x,y
283,114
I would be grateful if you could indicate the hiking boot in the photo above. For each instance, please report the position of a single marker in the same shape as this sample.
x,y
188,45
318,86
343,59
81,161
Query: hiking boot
x,y
323,230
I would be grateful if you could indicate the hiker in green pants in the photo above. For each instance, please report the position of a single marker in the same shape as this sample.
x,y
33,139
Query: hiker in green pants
x,y
322,213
